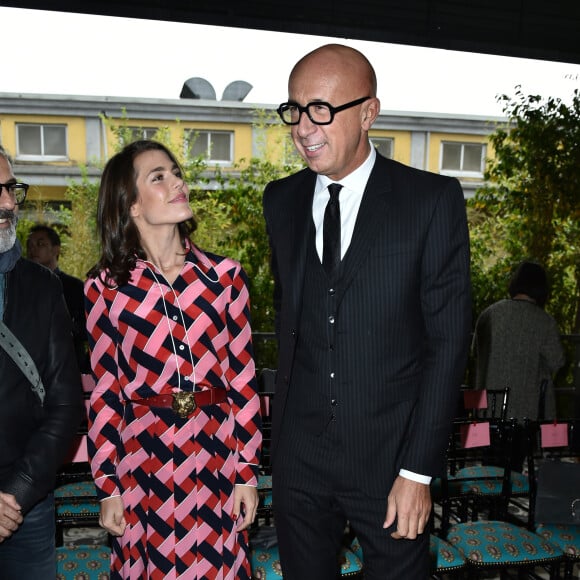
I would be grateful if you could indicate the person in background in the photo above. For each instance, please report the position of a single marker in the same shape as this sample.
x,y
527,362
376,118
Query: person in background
x,y
35,432
174,420
516,344
372,299
43,247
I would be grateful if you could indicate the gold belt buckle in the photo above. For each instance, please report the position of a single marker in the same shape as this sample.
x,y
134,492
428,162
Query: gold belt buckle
x,y
184,403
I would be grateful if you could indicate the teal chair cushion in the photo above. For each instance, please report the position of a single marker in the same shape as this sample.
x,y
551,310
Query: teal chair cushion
x,y
356,548
444,557
76,489
83,562
266,564
487,481
567,538
460,484
267,499
77,499
350,564
78,508
265,492
264,482
497,543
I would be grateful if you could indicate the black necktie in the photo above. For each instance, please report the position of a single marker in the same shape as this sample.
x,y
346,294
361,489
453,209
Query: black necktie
x,y
331,232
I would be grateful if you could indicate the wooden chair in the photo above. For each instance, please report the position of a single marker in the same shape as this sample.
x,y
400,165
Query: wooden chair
x,y
76,506
490,543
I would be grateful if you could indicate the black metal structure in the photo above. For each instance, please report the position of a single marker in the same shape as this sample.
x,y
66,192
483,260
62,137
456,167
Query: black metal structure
x,y
538,29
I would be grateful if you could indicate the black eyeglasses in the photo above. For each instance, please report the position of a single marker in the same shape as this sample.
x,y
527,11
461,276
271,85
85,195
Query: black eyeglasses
x,y
17,191
319,112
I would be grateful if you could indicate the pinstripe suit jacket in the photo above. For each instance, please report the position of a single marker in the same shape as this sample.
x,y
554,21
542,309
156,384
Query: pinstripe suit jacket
x,y
404,310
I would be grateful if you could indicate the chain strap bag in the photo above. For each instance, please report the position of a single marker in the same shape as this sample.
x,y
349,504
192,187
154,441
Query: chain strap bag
x,y
22,358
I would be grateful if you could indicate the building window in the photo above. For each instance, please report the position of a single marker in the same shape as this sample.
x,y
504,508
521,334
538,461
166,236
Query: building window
x,y
138,133
384,146
46,142
466,159
213,146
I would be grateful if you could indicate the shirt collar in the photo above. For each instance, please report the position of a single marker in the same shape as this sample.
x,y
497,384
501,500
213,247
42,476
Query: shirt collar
x,y
355,181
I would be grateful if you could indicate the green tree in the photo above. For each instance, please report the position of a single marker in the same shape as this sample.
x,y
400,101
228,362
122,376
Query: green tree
x,y
529,206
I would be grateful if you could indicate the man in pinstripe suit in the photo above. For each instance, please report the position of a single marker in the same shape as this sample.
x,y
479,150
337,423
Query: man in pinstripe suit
x,y
372,352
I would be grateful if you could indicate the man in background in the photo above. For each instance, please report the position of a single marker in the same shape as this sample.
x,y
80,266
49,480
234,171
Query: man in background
x,y
36,431
43,247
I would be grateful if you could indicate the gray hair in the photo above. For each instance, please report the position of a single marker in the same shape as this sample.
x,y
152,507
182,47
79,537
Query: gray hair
x,y
6,155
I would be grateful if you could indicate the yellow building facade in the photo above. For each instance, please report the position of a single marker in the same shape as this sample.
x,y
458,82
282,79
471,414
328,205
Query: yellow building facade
x,y
51,137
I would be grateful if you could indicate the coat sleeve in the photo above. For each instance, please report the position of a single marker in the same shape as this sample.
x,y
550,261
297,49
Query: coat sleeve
x,y
35,472
446,308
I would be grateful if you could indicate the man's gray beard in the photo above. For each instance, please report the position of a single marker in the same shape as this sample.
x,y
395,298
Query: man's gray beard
x,y
8,237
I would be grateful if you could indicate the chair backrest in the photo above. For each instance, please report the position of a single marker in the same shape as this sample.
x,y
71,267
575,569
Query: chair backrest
x,y
76,502
477,468
266,387
554,471
486,403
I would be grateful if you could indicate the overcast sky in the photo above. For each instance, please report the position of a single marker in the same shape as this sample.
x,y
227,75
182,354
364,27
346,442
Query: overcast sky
x,y
75,54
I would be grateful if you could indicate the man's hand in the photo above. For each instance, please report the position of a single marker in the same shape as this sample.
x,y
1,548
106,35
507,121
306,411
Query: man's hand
x,y
112,517
410,504
246,496
10,516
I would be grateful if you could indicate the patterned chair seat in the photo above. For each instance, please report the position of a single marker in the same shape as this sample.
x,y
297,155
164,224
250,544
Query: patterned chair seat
x,y
76,489
501,544
264,482
567,538
76,500
77,509
487,480
83,563
266,498
266,564
444,557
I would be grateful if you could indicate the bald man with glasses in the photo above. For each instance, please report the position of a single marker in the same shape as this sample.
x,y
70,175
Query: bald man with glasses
x,y
372,298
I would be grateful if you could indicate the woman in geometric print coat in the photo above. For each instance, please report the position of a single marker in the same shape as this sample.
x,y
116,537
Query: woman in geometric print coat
x,y
174,421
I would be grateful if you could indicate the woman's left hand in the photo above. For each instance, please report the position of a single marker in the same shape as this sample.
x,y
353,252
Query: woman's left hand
x,y
246,504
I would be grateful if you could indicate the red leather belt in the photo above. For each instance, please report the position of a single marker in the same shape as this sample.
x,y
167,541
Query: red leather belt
x,y
184,403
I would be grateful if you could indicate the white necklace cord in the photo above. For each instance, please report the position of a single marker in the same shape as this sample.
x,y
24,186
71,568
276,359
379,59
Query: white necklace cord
x,y
206,276
149,264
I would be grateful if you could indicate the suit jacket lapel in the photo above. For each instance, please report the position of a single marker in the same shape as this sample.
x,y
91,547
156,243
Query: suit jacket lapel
x,y
300,236
371,217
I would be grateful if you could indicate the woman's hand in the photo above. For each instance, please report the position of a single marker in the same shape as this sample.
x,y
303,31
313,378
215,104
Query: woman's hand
x,y
112,517
246,497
